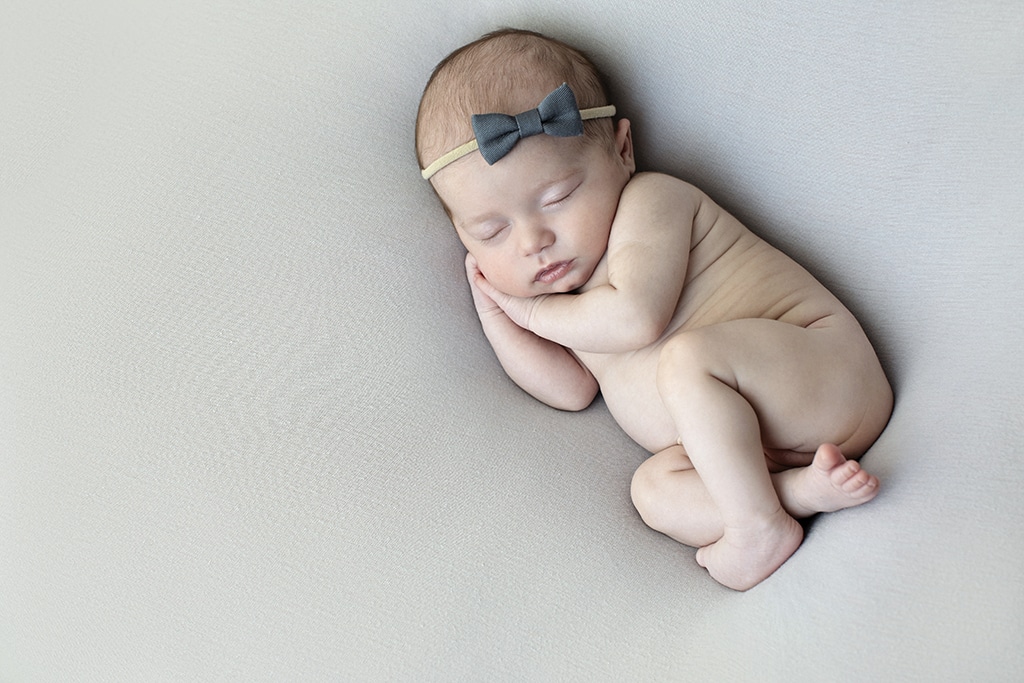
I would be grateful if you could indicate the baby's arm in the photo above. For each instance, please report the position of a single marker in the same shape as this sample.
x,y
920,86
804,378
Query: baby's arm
x,y
542,368
648,250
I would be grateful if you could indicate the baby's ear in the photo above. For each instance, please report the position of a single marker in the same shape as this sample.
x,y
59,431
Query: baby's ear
x,y
624,144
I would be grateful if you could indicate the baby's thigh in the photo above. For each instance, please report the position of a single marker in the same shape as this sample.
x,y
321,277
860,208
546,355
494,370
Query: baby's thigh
x,y
808,386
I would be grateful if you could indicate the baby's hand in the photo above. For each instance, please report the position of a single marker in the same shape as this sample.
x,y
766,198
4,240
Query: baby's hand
x,y
490,300
485,305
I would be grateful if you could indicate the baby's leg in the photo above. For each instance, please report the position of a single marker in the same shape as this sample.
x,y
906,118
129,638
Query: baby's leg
x,y
732,386
671,498
829,483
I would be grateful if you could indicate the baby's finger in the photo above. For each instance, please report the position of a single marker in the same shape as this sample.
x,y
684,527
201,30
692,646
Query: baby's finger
x,y
481,282
488,289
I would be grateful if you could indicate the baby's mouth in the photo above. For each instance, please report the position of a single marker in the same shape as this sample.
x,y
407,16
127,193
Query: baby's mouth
x,y
554,272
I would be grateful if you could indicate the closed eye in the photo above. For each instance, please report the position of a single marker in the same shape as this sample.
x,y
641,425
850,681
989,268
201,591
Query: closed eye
x,y
558,201
492,234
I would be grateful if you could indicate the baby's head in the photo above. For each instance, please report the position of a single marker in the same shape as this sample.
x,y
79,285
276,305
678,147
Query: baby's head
x,y
507,71
537,219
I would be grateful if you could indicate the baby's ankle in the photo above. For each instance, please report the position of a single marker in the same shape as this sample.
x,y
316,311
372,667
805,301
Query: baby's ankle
x,y
761,521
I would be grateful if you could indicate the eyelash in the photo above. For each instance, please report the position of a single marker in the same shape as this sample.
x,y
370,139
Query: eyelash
x,y
562,199
550,205
493,234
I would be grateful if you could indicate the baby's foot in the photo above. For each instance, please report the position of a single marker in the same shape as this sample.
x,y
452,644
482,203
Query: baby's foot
x,y
744,557
829,483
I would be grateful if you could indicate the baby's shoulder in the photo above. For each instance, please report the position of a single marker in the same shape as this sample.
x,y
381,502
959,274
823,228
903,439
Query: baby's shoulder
x,y
648,184
657,198
659,194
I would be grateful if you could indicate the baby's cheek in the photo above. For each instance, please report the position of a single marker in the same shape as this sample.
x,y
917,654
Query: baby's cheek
x,y
502,280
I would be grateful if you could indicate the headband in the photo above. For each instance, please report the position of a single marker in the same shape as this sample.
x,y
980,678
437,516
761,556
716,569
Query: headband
x,y
496,134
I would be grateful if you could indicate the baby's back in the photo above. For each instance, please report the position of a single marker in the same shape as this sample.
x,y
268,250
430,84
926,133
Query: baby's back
x,y
731,275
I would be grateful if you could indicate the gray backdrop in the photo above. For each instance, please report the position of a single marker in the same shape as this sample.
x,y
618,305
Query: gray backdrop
x,y
250,428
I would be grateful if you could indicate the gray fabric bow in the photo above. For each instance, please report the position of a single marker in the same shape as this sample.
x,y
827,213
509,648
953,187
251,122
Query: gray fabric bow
x,y
556,115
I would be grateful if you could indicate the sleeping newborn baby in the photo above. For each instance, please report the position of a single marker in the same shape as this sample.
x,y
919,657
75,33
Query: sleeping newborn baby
x,y
746,378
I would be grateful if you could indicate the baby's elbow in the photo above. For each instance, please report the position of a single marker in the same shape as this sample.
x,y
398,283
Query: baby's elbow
x,y
578,398
580,402
574,404
647,327
649,333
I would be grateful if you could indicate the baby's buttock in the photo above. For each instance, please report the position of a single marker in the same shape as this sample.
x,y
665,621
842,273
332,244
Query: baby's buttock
x,y
629,385
757,282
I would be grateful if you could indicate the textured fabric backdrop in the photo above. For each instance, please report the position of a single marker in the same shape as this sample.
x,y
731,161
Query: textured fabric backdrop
x,y
250,428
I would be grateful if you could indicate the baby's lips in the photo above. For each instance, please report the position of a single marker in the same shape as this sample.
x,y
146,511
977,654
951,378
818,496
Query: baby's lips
x,y
553,272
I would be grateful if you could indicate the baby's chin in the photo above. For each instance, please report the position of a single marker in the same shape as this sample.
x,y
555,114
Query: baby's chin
x,y
566,285
538,289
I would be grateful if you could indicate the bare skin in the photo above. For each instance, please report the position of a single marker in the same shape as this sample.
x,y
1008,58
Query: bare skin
x,y
712,349
829,483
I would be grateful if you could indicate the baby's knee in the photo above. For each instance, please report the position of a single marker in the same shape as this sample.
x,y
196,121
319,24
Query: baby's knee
x,y
648,492
683,358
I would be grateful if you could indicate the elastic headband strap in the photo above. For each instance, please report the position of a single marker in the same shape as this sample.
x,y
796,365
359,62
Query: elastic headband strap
x,y
605,112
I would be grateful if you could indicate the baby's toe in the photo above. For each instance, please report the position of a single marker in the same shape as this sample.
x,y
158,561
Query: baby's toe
x,y
845,473
863,484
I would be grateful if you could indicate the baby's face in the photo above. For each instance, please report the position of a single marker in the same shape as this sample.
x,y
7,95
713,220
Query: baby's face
x,y
538,220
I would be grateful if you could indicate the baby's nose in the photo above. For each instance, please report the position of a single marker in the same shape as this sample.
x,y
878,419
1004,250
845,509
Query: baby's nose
x,y
535,239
